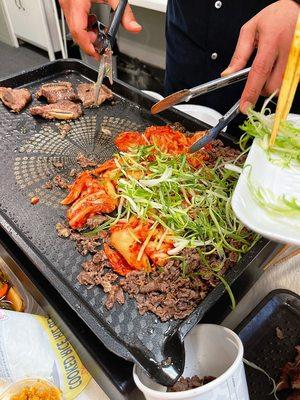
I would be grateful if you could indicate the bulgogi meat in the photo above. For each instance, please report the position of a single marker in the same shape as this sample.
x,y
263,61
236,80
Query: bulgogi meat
x,y
57,91
94,273
62,230
190,383
85,162
60,182
86,94
63,110
58,164
64,130
48,185
96,220
290,378
15,99
168,293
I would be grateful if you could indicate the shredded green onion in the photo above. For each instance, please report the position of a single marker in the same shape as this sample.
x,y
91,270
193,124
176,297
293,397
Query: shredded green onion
x,y
282,205
286,150
193,204
228,288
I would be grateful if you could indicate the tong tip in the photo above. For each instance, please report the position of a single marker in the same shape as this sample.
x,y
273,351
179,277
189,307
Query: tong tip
x,y
170,101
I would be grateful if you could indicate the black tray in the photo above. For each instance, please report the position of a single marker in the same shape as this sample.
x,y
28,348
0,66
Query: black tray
x,y
281,308
28,147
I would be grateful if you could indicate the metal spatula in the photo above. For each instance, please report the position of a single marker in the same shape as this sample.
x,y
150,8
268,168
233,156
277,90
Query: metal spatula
x,y
213,132
188,94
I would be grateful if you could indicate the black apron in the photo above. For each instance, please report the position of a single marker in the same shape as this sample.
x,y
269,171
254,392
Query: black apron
x,y
201,38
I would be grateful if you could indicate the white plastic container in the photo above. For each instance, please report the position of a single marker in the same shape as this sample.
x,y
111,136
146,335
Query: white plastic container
x,y
40,384
211,350
29,304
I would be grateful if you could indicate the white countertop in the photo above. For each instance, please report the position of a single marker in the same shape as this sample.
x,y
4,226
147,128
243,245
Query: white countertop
x,y
158,5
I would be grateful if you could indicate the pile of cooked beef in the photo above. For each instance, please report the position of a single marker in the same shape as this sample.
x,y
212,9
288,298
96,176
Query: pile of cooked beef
x,y
168,293
190,383
290,378
63,102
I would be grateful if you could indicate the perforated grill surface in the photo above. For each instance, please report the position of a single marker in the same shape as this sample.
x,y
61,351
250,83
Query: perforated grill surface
x,y
29,146
262,346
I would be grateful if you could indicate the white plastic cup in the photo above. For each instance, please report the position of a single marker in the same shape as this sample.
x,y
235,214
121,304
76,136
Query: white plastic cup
x,y
211,350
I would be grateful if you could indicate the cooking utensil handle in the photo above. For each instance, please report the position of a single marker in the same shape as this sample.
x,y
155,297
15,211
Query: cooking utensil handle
x,y
114,26
219,83
213,132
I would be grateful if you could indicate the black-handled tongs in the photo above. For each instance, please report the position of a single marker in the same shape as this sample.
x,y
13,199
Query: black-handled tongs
x,y
104,42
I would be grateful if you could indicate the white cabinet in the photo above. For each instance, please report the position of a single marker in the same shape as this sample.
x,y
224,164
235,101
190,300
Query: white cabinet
x,y
36,22
157,5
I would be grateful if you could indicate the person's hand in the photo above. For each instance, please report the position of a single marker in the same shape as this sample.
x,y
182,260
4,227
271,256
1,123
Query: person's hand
x,y
76,13
271,32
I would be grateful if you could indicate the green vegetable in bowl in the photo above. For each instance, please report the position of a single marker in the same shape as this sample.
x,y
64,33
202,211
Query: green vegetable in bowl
x,y
286,150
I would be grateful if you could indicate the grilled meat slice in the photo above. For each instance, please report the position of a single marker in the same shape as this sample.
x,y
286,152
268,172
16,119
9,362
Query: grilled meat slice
x,y
15,99
86,94
64,109
57,91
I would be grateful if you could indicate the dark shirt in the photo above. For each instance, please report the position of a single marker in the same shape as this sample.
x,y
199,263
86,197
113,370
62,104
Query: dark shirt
x,y
201,38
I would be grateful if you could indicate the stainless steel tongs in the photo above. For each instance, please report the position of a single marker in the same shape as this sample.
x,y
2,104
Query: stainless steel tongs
x,y
212,133
188,94
104,42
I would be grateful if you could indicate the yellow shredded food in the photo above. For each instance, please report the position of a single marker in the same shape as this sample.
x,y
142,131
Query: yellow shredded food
x,y
34,393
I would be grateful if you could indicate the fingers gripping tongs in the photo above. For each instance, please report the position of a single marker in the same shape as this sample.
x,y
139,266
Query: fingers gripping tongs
x,y
104,42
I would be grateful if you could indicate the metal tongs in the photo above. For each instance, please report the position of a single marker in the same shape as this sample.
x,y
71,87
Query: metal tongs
x,y
212,133
104,42
188,94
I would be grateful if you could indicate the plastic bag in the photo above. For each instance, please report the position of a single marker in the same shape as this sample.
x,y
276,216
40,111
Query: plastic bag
x,y
32,346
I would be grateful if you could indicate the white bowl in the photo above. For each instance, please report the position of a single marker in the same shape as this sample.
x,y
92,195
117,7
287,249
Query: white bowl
x,y
210,350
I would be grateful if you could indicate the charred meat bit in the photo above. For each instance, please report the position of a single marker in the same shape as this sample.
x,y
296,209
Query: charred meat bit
x,y
290,377
86,94
107,281
279,333
48,185
85,244
62,230
15,99
116,294
190,383
73,173
295,395
64,130
99,257
58,164
95,221
60,182
87,278
34,200
57,91
63,110
84,162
